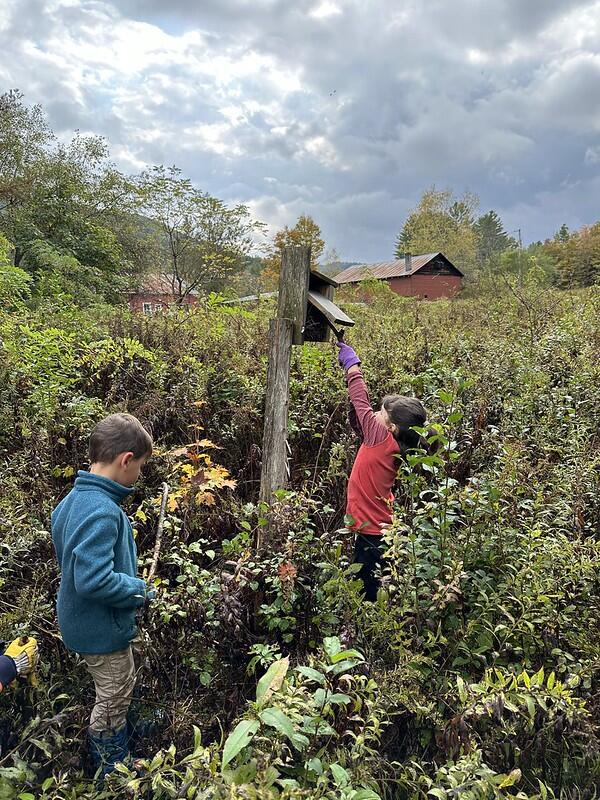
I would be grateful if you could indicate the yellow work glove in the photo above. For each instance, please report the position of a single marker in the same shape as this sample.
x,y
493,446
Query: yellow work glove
x,y
24,652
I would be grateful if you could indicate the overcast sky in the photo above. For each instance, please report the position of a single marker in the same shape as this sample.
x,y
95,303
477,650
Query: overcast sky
x,y
343,109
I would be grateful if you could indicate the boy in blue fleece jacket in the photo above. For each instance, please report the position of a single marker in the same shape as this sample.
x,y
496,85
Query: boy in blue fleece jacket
x,y
99,591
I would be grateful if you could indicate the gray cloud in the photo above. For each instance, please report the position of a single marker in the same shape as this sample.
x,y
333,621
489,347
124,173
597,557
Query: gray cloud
x,y
324,107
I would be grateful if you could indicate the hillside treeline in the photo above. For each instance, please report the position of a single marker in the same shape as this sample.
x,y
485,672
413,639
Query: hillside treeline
x,y
75,227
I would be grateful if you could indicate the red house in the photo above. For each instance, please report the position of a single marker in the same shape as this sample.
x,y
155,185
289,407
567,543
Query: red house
x,y
430,276
155,293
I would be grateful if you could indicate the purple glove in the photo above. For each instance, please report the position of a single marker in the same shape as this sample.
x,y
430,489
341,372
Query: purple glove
x,y
347,357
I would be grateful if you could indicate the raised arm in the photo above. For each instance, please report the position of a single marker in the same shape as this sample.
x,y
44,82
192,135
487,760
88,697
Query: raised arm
x,y
373,431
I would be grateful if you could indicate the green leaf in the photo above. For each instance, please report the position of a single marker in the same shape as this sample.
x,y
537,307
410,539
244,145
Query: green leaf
x,y
239,737
513,777
316,725
315,765
275,718
462,691
42,746
530,706
271,681
346,654
245,773
311,674
339,698
551,680
342,666
332,645
319,697
300,742
538,678
366,794
438,793
339,773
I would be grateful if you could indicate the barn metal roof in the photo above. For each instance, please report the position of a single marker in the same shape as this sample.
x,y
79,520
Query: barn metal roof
x,y
384,269
157,284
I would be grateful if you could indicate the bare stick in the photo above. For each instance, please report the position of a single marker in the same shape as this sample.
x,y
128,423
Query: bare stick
x,y
159,532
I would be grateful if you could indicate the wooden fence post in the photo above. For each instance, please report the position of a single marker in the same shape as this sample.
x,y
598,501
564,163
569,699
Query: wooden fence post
x,y
284,331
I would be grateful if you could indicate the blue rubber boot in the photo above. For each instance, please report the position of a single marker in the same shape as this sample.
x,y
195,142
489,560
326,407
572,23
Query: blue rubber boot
x,y
109,748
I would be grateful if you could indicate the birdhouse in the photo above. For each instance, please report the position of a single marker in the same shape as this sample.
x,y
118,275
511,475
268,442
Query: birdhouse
x,y
322,314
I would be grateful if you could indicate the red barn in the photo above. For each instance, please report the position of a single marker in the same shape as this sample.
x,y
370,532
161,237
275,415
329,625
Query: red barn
x,y
430,276
155,293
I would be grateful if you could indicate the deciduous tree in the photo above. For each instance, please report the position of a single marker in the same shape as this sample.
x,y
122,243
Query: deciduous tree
x,y
305,232
202,240
442,223
58,200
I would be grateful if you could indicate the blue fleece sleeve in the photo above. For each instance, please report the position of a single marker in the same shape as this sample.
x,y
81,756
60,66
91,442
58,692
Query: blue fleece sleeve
x,y
8,671
94,574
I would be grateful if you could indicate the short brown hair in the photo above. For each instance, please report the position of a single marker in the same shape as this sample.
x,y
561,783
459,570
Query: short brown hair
x,y
406,413
116,434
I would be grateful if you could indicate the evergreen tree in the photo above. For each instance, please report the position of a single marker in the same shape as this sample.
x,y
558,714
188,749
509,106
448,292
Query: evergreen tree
x,y
492,239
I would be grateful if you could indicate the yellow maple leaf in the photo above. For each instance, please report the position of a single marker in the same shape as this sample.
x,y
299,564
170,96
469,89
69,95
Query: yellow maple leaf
x,y
205,499
217,473
207,443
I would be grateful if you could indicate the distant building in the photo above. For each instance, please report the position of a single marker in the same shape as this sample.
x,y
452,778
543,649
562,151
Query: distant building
x,y
155,293
430,276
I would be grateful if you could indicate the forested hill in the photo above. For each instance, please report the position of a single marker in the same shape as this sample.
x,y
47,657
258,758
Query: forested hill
x,y
74,226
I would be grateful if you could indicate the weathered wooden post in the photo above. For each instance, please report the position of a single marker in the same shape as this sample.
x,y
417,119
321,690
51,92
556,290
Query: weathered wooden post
x,y
284,331
305,312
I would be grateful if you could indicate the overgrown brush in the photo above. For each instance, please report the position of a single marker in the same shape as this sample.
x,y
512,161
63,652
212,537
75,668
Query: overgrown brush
x,y
476,671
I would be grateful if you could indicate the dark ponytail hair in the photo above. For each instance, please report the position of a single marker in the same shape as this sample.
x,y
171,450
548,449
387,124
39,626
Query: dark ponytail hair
x,y
406,413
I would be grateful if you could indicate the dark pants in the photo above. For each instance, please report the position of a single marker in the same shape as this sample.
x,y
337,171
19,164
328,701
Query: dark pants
x,y
368,552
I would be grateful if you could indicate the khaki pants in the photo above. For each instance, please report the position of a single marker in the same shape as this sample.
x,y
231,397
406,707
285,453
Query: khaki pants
x,y
114,677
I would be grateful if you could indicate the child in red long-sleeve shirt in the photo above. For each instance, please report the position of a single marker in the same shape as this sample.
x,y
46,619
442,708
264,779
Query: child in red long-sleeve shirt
x,y
386,435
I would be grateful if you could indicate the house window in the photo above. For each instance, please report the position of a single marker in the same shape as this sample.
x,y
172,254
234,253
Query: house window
x,y
147,308
158,306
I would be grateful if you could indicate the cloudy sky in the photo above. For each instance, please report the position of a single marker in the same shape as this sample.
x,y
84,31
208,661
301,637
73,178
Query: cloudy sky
x,y
343,109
